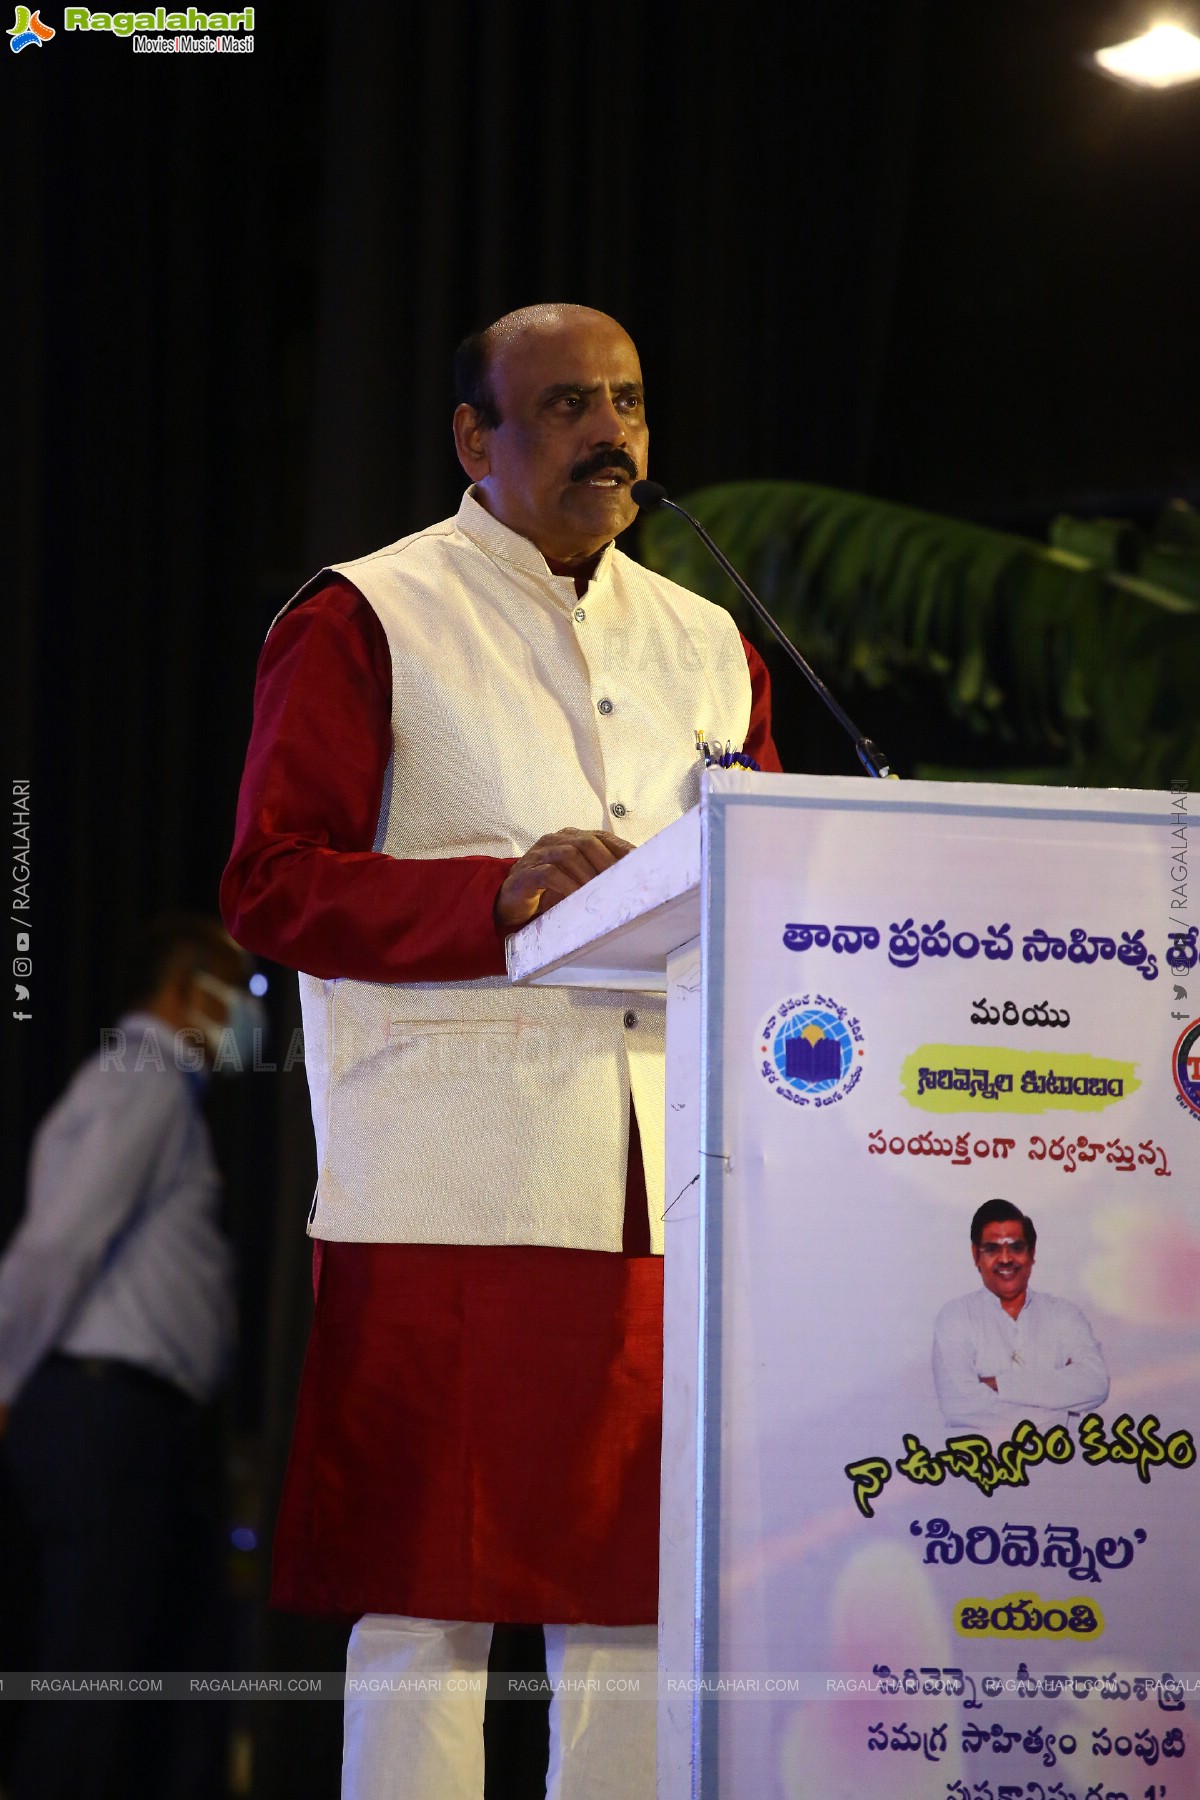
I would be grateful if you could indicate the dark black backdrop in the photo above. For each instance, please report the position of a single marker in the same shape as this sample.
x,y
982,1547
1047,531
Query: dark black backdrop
x,y
906,246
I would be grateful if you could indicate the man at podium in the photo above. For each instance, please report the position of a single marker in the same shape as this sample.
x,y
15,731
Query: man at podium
x,y
451,735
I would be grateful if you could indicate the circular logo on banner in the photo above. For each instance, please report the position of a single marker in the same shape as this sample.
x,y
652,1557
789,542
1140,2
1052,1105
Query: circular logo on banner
x,y
811,1051
1187,1066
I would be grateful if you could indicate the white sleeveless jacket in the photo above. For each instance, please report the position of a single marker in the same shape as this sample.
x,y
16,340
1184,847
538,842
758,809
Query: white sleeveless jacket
x,y
474,1112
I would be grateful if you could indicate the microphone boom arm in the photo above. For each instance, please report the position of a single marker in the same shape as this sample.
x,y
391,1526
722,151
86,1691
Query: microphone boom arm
x,y
869,754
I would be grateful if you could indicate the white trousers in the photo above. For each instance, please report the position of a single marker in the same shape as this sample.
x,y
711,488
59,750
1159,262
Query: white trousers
x,y
415,1691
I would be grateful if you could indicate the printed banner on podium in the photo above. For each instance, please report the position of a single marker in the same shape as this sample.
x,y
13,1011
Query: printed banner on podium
x,y
957,1481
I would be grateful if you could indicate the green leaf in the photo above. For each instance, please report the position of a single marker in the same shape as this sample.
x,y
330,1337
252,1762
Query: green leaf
x,y
1046,651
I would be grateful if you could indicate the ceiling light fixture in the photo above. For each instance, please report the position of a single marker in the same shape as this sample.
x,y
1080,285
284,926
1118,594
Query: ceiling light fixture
x,y
1164,57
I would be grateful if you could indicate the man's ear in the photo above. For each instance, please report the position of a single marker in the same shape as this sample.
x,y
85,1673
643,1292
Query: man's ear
x,y
471,442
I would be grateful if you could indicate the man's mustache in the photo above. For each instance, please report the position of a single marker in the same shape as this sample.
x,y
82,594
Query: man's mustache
x,y
605,459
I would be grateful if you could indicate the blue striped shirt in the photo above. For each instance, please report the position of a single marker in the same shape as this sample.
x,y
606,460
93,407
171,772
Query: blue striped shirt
x,y
119,1253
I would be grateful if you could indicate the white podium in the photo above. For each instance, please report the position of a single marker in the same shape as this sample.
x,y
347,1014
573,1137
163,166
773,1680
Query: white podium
x,y
886,1003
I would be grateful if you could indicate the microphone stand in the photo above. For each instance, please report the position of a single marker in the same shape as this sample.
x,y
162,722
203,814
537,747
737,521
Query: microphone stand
x,y
649,494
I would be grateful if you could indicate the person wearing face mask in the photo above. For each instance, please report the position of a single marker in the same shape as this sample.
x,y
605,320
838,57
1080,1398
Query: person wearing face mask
x,y
117,1325
228,1032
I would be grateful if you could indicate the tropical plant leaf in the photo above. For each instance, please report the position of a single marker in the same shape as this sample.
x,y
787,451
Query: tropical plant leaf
x,y
1046,651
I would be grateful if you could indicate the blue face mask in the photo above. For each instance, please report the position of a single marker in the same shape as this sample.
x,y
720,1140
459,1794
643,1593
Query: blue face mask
x,y
231,1043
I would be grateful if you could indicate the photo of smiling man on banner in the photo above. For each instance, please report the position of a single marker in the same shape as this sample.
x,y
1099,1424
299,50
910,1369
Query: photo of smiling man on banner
x,y
1004,1353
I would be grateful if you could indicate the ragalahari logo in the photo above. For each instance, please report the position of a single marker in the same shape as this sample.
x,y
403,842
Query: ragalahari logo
x,y
29,30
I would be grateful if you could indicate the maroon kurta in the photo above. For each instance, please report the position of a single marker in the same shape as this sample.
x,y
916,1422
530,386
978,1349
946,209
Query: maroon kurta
x,y
478,1428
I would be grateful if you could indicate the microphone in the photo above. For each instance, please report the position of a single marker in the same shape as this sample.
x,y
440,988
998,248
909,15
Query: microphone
x,y
648,495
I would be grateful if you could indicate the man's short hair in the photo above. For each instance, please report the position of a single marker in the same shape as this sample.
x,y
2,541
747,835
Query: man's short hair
x,y
473,380
992,1212
177,943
